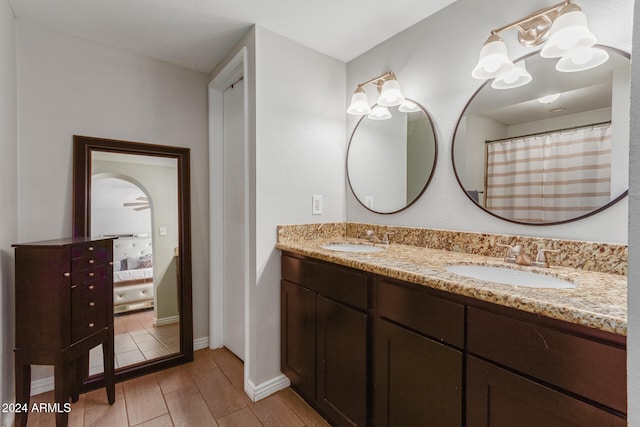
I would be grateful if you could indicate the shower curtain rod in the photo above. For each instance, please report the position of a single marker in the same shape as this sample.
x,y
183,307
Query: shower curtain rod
x,y
549,131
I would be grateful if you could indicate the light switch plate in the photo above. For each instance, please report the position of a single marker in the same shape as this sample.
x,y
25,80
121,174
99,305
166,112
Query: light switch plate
x,y
316,208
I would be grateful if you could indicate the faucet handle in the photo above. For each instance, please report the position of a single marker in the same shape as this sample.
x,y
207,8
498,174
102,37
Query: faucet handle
x,y
511,253
541,258
385,238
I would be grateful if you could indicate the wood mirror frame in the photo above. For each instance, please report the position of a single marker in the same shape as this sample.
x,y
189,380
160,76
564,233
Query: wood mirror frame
x,y
83,147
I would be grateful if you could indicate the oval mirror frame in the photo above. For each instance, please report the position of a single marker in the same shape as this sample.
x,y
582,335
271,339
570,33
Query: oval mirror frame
x,y
612,202
83,147
422,185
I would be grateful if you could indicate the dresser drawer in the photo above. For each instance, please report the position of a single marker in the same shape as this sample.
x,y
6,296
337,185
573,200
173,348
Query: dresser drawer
x,y
589,368
88,310
90,253
427,314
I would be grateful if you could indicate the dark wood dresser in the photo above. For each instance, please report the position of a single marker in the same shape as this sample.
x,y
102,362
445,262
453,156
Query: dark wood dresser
x,y
64,308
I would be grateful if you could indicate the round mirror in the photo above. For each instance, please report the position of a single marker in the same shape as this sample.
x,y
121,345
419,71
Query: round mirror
x,y
552,151
390,162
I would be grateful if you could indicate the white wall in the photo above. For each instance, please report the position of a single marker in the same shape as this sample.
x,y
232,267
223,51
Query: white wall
x,y
433,62
8,198
70,86
633,290
300,151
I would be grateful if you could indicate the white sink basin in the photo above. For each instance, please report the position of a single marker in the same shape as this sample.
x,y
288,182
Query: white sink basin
x,y
508,276
352,247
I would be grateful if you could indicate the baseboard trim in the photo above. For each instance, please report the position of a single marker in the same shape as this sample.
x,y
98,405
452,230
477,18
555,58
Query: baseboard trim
x,y
267,388
166,320
200,343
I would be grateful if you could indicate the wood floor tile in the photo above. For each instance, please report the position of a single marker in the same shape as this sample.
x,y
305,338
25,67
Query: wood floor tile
x,y
174,379
162,421
272,412
231,365
221,396
302,409
242,418
144,399
207,392
105,415
188,408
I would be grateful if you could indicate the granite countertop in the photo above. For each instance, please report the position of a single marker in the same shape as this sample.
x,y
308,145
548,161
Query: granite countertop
x,y
599,300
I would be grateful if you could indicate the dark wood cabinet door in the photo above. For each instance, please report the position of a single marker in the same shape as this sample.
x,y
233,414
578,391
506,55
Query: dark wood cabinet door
x,y
342,363
417,381
298,338
500,398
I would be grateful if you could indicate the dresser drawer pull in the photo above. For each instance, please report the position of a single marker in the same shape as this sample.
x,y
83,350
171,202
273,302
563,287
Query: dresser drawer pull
x,y
91,304
67,274
90,248
91,325
91,261
92,274
110,262
91,287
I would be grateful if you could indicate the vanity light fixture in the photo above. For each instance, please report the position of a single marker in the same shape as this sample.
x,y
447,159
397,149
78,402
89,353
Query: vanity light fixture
x,y
390,95
564,29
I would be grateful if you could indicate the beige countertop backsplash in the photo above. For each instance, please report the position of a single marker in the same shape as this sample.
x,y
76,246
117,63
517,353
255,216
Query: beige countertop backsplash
x,y
419,256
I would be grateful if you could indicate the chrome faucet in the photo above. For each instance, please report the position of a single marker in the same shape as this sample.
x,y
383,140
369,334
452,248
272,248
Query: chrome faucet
x,y
515,255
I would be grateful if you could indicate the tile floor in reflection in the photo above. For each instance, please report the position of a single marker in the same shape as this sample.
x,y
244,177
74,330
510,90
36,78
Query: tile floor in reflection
x,y
137,339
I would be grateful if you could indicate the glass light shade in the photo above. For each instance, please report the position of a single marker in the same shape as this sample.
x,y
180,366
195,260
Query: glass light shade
x,y
518,76
408,107
581,59
379,112
359,103
493,60
569,31
390,95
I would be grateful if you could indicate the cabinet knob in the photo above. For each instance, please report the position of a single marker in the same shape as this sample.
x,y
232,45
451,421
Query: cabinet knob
x,y
110,262
90,248
91,261
91,325
91,304
67,274
91,287
92,274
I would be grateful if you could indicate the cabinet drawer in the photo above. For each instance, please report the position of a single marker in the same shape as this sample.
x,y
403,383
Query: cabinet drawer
x,y
589,368
91,250
429,315
298,271
90,274
88,311
344,285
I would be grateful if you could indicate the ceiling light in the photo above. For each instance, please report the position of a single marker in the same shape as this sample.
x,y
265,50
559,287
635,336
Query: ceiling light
x,y
390,95
518,76
563,27
548,99
379,112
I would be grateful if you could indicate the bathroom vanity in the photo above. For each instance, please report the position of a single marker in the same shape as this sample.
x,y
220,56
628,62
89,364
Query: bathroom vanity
x,y
392,339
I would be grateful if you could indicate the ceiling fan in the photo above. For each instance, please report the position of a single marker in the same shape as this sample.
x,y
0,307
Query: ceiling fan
x,y
141,205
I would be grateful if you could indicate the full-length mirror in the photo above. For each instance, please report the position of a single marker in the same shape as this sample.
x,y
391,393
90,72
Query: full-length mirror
x,y
551,151
390,162
139,193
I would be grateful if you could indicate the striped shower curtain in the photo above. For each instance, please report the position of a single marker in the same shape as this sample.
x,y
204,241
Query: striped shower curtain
x,y
549,177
